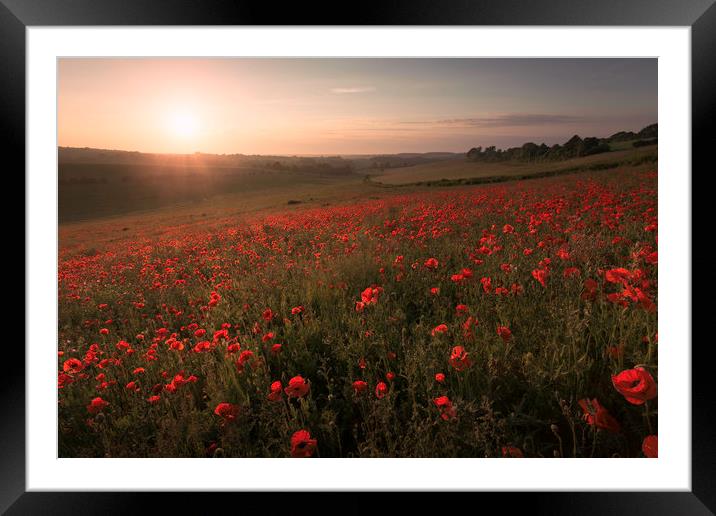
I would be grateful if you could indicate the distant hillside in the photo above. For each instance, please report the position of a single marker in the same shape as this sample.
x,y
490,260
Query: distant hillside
x,y
575,147
462,171
385,161
98,183
86,155
336,164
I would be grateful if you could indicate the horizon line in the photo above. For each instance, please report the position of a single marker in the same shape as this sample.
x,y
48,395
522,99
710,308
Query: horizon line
x,y
319,154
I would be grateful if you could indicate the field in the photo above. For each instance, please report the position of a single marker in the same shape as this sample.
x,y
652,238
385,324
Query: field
x,y
100,190
462,169
515,319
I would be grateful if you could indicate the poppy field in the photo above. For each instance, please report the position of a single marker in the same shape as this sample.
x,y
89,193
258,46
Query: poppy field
x,y
515,319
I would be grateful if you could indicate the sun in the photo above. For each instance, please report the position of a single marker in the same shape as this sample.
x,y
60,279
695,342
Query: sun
x,y
183,124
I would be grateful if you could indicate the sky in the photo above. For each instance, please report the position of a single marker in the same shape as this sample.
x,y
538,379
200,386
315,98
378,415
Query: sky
x,y
327,106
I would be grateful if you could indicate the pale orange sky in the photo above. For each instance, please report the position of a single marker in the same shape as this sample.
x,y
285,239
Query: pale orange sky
x,y
347,106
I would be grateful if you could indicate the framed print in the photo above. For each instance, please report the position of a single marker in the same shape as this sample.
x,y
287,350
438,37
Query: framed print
x,y
386,253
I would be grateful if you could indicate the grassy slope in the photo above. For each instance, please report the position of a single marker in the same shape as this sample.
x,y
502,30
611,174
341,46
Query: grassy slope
x,y
459,169
272,192
135,188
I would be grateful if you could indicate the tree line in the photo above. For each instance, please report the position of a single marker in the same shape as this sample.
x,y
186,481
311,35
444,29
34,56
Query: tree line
x,y
575,147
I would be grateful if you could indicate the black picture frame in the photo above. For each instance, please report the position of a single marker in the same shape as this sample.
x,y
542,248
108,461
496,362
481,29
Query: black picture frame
x,y
700,15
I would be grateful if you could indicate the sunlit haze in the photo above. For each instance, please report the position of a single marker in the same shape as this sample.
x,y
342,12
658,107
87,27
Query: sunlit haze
x,y
347,106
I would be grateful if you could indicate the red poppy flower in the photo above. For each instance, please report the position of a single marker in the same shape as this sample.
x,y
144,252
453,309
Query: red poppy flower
x,y
598,416
512,452
302,445
461,309
650,446
153,399
72,366
390,376
245,357
227,411
359,386
275,394
563,254
297,387
431,263
221,334
202,346
540,275
296,310
381,390
369,296
64,379
571,271
440,377
636,385
214,299
132,386
467,326
619,275
267,315
504,332
440,328
97,405
460,359
447,410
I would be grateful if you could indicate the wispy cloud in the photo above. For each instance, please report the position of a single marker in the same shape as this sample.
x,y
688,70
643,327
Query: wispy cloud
x,y
355,89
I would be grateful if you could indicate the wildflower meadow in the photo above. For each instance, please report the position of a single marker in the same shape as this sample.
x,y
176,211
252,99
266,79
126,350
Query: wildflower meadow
x,y
515,319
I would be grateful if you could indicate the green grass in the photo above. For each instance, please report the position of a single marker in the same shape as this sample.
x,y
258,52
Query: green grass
x,y
105,191
463,169
90,191
321,255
